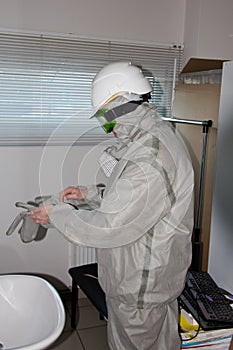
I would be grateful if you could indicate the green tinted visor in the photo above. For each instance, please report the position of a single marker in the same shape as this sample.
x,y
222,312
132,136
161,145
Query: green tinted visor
x,y
107,125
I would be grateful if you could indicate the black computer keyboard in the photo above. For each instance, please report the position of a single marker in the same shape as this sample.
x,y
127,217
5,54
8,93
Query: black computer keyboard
x,y
210,300
187,302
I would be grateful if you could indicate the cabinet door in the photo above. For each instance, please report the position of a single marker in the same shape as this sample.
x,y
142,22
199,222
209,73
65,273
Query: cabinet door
x,y
221,239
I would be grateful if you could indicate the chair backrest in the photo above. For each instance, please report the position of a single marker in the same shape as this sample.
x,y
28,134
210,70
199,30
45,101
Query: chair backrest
x,y
86,278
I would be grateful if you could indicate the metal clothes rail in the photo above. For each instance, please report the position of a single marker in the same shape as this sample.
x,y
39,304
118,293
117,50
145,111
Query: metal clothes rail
x,y
197,244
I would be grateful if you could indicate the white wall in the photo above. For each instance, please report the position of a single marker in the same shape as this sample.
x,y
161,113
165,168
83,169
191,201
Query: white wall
x,y
27,172
208,30
148,20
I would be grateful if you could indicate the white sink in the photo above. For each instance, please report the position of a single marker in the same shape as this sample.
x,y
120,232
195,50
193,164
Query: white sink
x,y
32,315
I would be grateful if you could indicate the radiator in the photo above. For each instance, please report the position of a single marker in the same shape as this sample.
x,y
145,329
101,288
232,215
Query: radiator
x,y
81,255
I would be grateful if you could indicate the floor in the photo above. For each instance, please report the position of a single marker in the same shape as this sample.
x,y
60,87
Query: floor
x,y
91,331
90,334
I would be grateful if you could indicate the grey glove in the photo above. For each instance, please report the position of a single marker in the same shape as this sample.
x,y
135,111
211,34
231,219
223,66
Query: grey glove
x,y
29,231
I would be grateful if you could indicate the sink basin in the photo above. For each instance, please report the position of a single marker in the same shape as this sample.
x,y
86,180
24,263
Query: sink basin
x,y
32,315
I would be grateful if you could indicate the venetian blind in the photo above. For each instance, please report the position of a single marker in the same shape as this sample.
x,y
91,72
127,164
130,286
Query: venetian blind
x,y
45,85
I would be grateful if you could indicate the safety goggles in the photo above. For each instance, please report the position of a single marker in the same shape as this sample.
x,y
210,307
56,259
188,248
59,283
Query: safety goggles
x,y
102,117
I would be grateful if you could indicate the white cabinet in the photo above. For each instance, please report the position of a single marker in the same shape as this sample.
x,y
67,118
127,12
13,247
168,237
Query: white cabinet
x,y
208,30
221,237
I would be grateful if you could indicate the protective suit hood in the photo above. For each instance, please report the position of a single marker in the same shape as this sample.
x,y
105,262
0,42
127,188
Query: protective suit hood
x,y
142,122
135,124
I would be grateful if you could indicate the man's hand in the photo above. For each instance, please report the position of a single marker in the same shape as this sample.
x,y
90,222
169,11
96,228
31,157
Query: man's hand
x,y
71,192
40,215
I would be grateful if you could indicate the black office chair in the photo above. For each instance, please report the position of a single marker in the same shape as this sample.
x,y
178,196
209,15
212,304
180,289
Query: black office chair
x,y
85,277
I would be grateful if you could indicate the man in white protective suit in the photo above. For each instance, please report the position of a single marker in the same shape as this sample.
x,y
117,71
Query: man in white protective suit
x,y
141,223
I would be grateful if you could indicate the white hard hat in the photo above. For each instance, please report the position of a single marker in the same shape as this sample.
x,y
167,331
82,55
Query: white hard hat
x,y
117,78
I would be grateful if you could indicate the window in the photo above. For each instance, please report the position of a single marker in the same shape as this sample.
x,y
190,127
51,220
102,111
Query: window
x,y
45,85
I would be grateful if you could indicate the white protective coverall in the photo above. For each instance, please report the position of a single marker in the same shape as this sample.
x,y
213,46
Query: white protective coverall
x,y
142,231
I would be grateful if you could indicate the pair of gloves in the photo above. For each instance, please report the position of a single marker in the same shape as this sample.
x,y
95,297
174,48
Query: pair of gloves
x,y
28,231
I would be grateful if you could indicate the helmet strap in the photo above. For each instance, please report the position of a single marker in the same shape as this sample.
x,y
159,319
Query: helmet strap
x,y
118,111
